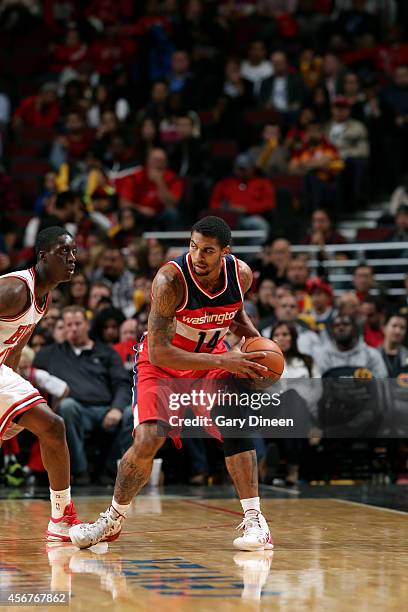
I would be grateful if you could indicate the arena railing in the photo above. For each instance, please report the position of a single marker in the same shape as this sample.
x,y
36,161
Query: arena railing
x,y
337,271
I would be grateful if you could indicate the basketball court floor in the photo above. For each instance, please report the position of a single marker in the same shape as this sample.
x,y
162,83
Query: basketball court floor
x,y
334,550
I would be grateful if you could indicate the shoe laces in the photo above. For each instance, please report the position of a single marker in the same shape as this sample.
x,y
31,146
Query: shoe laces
x,y
70,516
107,519
251,524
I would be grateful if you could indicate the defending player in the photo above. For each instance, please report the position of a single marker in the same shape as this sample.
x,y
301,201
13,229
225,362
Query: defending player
x,y
24,299
189,293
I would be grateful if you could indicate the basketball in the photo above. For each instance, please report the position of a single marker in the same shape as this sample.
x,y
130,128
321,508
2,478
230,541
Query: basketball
x,y
274,360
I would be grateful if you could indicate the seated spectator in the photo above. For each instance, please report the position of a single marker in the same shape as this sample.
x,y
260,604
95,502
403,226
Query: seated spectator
x,y
238,90
284,91
78,290
60,210
156,256
303,396
396,103
350,137
400,233
154,192
394,354
253,197
265,302
256,68
333,75
186,155
49,190
50,318
296,136
274,261
181,79
71,53
271,156
40,110
322,230
348,350
319,162
73,143
363,281
322,303
128,337
58,334
157,107
320,104
97,291
39,339
106,325
349,305
124,232
297,275
99,393
374,315
112,272
287,310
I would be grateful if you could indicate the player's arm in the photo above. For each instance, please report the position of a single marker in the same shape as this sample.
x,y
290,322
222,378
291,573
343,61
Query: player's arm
x,y
167,295
242,324
15,298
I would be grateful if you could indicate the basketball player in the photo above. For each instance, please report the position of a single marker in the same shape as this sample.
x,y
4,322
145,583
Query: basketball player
x,y
24,299
202,285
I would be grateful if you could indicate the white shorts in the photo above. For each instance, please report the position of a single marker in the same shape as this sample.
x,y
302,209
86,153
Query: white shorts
x,y
16,396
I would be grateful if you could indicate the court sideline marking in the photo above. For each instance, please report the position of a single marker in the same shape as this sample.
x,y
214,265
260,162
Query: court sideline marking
x,y
363,505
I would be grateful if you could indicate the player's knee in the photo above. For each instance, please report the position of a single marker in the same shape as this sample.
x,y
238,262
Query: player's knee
x,y
54,427
146,440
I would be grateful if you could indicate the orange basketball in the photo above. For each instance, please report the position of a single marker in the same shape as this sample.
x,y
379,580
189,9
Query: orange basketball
x,y
274,359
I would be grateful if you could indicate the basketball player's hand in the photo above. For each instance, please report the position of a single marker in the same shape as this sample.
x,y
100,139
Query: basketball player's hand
x,y
244,364
112,418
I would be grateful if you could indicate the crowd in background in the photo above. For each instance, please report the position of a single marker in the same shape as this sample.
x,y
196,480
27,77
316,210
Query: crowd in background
x,y
276,115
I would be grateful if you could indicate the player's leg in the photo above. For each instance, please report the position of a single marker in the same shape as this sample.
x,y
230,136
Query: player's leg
x,y
50,430
133,473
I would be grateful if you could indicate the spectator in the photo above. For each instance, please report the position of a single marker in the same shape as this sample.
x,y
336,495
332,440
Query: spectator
x,y
363,281
73,144
297,275
106,325
253,197
157,107
237,88
319,162
50,318
155,192
348,350
271,156
124,232
274,261
60,210
394,354
322,231
113,272
322,302
374,315
400,233
283,91
99,393
333,75
40,110
148,140
350,137
298,367
78,290
71,53
265,302
287,310
180,78
128,337
395,98
58,334
39,339
256,68
97,291
186,155
354,95
350,305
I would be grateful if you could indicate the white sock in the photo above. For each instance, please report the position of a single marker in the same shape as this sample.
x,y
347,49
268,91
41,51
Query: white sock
x,y
120,509
251,503
59,501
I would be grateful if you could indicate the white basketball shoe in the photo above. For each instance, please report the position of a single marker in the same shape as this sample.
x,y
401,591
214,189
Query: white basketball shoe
x,y
256,534
105,529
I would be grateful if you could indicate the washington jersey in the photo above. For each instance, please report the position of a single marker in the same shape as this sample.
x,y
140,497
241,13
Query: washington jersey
x,y
13,329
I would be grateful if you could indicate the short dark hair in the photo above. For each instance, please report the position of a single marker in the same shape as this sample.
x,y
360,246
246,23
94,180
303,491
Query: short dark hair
x,y
64,198
214,227
48,237
363,265
396,315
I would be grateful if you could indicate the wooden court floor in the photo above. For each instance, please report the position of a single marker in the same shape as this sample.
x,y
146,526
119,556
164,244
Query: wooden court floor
x,y
176,555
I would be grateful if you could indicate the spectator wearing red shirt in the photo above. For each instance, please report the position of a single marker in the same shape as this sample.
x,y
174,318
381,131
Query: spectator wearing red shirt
x,y
71,53
41,110
110,51
374,314
250,195
154,192
73,144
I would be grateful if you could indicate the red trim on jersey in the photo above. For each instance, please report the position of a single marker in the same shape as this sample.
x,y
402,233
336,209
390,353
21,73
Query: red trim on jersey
x,y
37,307
34,399
175,264
238,273
17,317
5,353
197,282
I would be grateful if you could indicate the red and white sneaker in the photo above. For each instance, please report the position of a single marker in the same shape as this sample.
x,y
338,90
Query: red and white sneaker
x,y
106,528
58,529
256,534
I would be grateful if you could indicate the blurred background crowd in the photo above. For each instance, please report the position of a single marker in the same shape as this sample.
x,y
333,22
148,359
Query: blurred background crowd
x,y
119,118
